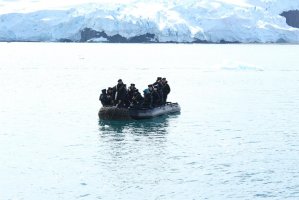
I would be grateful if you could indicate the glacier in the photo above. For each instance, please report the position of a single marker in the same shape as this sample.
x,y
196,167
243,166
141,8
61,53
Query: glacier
x,y
190,21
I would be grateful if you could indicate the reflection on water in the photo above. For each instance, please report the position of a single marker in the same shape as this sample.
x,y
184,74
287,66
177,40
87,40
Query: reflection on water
x,y
133,142
155,126
136,130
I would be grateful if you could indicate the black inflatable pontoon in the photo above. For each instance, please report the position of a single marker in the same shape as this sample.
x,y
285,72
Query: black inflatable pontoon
x,y
115,113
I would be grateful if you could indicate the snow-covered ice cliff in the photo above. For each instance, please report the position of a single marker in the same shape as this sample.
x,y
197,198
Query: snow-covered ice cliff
x,y
216,21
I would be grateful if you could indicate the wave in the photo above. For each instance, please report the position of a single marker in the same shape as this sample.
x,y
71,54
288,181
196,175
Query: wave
x,y
235,66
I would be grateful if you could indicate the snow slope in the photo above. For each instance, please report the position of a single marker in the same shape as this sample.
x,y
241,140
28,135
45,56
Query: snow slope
x,y
167,21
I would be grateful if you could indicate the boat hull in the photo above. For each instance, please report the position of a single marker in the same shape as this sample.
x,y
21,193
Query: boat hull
x,y
114,113
154,112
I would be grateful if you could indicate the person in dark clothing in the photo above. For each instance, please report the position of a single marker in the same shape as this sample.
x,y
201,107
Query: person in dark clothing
x,y
150,88
159,86
137,99
110,96
103,98
165,89
131,92
148,99
120,91
156,97
158,83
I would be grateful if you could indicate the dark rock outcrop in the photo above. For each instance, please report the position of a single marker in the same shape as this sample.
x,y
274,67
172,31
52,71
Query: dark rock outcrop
x,y
196,40
88,34
292,18
146,38
117,39
220,42
65,40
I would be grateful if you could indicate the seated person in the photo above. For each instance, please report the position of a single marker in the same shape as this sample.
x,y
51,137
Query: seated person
x,y
137,99
110,96
148,99
131,91
103,98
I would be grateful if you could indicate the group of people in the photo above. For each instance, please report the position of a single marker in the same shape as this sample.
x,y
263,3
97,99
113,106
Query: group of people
x,y
121,97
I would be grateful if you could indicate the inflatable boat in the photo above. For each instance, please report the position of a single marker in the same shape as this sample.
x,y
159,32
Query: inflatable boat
x,y
114,113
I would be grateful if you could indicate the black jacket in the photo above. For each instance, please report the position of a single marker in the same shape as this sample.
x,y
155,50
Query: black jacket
x,y
137,99
156,98
166,89
148,100
104,99
131,94
120,92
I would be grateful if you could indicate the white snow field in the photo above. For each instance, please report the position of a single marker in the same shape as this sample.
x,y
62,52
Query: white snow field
x,y
167,21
